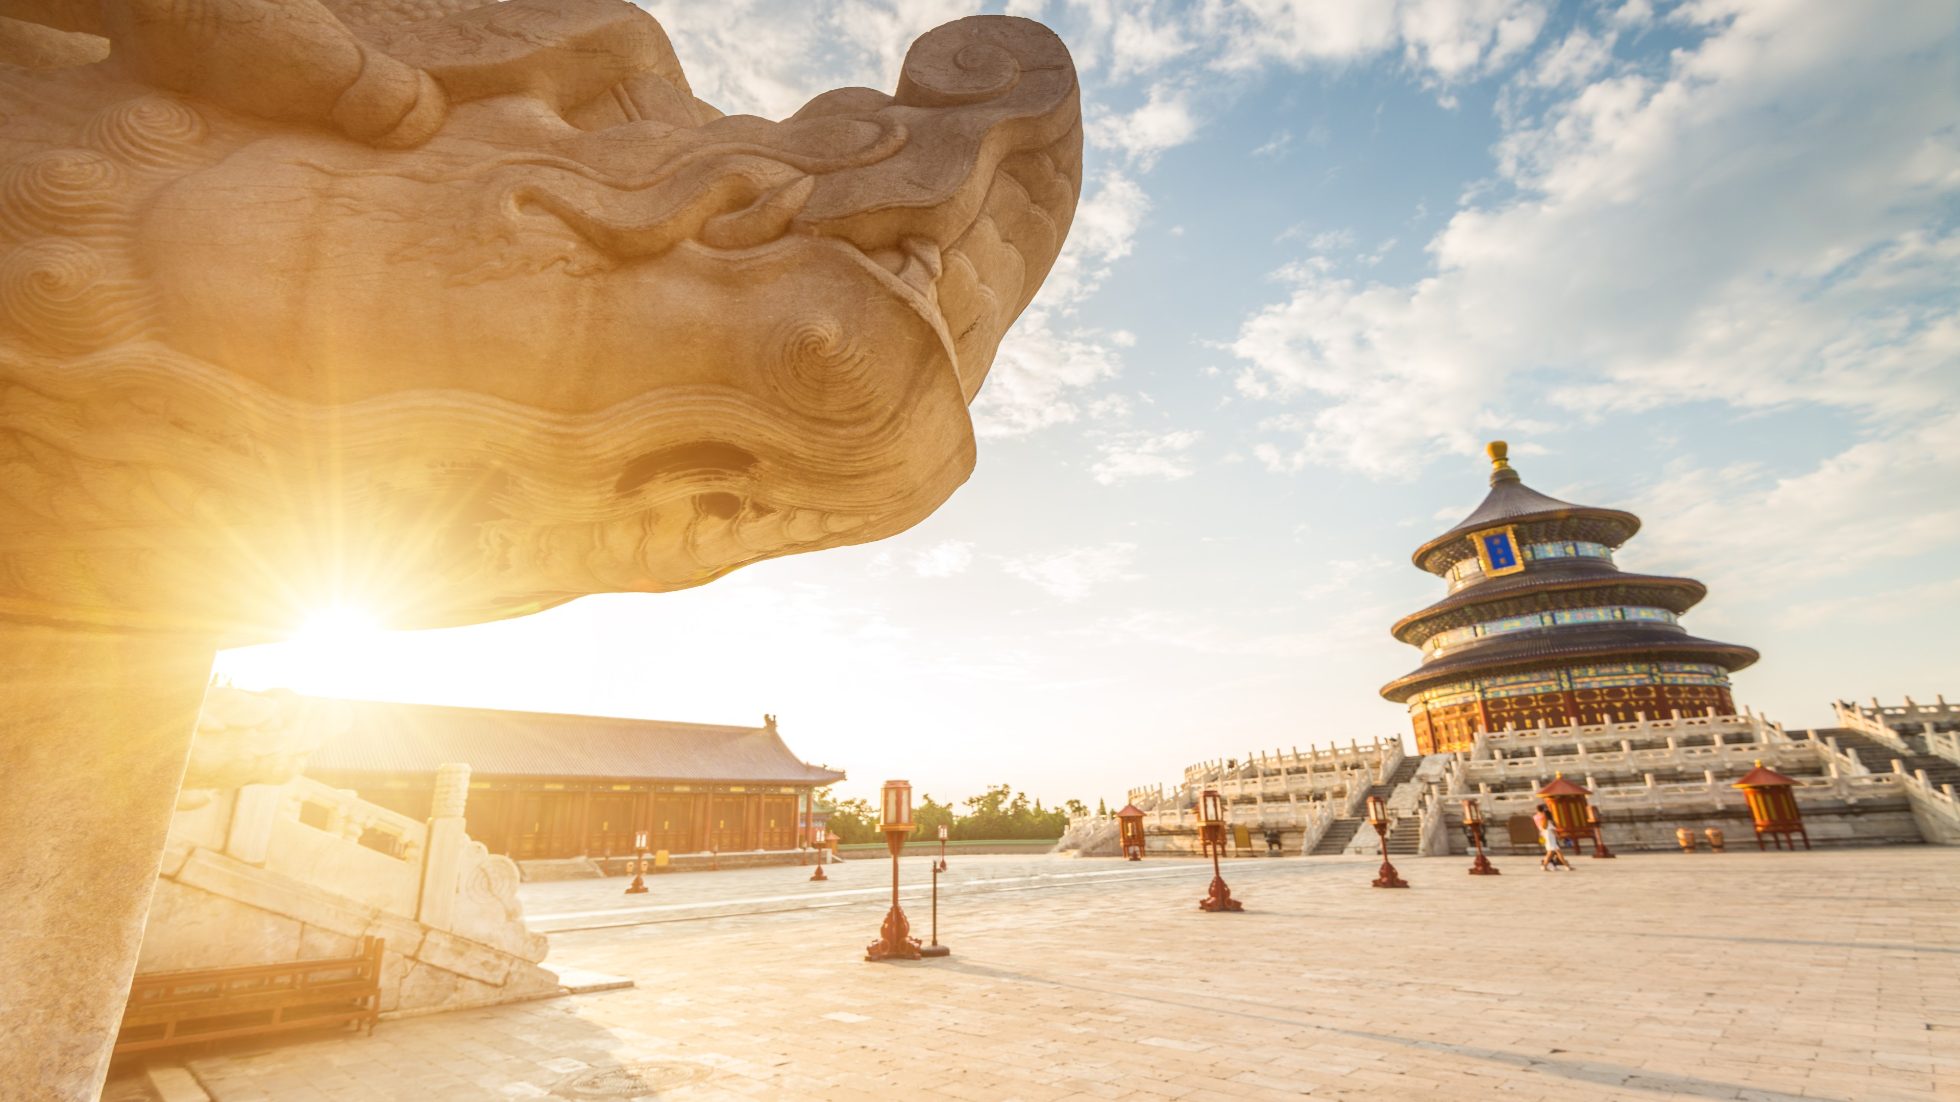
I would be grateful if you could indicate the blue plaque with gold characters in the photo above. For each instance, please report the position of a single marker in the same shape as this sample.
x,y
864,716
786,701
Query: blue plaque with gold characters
x,y
1497,551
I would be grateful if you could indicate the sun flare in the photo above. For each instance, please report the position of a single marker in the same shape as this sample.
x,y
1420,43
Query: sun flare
x,y
337,628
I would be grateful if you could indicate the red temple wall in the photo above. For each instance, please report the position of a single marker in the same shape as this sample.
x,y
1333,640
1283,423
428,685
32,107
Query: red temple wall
x,y
1450,727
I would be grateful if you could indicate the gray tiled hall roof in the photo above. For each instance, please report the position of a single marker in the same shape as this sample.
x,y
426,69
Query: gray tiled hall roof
x,y
386,737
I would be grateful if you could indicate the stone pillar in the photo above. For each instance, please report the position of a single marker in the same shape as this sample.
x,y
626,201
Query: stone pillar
x,y
253,808
95,728
442,862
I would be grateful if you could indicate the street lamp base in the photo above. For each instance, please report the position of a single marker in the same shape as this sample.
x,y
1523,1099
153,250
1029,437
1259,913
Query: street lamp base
x,y
1482,867
1387,877
894,940
1219,898
935,951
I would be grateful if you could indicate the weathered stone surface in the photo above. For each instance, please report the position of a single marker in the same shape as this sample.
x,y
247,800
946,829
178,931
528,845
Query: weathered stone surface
x,y
455,311
466,958
424,317
275,893
94,728
210,931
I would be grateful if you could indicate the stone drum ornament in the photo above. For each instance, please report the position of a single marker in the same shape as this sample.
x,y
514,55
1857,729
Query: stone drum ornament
x,y
451,311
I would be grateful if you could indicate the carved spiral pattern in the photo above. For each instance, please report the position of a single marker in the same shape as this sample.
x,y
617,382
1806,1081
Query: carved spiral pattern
x,y
823,368
61,294
945,70
152,132
66,191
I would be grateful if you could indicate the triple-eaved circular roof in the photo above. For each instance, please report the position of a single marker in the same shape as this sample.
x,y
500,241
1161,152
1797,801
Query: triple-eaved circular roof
x,y
1548,585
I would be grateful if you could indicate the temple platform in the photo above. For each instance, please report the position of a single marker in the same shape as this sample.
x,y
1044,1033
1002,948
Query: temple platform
x,y
1657,976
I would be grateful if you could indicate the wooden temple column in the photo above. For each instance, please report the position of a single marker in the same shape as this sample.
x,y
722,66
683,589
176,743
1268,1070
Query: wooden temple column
x,y
582,826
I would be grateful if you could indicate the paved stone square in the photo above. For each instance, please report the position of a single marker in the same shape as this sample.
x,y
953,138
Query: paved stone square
x,y
1738,976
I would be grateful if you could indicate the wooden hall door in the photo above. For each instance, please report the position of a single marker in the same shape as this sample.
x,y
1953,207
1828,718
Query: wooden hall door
x,y
672,819
725,820
609,824
778,822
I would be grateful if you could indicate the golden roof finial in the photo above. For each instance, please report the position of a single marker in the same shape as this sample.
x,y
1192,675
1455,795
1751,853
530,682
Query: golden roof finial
x,y
1499,452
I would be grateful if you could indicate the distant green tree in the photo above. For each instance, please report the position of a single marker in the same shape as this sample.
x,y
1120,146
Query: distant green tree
x,y
1102,808
854,821
930,815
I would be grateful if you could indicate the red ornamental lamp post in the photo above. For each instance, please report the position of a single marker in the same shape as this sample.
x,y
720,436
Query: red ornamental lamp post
x,y
1211,833
1473,825
894,937
1567,803
822,856
1773,805
1386,877
1599,837
1129,831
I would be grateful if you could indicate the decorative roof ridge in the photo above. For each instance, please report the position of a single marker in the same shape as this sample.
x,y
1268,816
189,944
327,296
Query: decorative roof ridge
x,y
1510,501
768,726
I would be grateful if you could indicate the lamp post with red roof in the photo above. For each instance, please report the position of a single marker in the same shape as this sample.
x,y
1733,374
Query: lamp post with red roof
x,y
1129,831
1567,803
1773,805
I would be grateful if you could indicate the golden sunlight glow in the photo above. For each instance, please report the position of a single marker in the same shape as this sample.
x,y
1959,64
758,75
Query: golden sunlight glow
x,y
331,647
337,628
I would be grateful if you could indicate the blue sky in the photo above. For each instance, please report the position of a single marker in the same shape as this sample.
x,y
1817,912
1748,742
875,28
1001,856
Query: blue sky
x,y
1694,260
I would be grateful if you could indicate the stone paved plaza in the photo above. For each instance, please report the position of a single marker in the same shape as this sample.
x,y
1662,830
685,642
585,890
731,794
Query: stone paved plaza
x,y
1833,974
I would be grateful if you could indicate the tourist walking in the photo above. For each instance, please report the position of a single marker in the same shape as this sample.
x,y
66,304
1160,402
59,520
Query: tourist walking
x,y
1548,833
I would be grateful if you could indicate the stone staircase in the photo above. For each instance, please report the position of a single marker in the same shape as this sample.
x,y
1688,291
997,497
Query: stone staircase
x,y
1879,757
1404,837
1339,833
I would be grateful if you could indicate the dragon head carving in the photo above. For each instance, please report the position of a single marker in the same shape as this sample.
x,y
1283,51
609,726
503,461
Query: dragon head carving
x,y
460,310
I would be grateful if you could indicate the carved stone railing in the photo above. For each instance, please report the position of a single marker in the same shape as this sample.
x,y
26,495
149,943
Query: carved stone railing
x,y
1330,759
1433,828
1870,724
1311,817
1523,740
1944,744
1464,776
1890,724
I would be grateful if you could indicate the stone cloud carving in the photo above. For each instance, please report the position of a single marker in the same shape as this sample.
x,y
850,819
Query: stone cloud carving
x,y
461,310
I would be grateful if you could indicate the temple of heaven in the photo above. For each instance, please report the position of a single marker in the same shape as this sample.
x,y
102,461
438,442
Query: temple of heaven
x,y
1540,628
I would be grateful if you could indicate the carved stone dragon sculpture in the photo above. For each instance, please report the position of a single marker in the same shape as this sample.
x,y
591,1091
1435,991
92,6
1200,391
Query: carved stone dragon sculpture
x,y
451,310
459,310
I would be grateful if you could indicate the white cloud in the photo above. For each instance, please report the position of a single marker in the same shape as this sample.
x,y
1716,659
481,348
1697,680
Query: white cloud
x,y
1755,535
1355,626
1074,574
758,57
1445,40
1459,38
1763,224
1163,121
1274,146
1133,455
1577,58
1037,376
943,559
1904,604
1045,362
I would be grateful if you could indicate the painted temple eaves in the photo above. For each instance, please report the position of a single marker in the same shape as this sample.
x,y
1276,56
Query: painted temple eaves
x,y
1539,625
